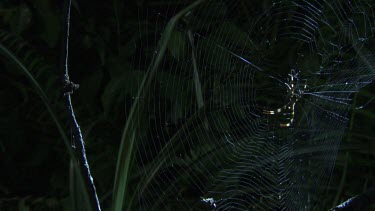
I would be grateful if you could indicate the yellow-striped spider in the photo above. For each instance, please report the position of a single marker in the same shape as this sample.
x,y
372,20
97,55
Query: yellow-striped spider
x,y
294,93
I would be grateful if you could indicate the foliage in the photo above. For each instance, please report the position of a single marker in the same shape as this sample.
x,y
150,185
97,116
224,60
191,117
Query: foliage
x,y
33,152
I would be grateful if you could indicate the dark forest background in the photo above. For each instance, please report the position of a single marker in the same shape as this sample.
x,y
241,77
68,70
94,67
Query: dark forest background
x,y
34,163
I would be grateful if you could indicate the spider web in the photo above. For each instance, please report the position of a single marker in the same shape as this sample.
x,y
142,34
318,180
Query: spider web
x,y
218,105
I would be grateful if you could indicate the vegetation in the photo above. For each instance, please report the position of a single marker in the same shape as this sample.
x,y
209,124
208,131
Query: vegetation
x,y
36,158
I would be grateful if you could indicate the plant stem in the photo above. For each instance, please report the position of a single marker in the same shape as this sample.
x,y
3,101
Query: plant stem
x,y
78,142
197,83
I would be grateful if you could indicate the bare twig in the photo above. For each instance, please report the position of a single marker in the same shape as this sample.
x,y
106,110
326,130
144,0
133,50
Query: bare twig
x,y
359,202
78,142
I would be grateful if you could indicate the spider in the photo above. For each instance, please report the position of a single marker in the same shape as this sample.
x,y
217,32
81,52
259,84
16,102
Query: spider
x,y
294,95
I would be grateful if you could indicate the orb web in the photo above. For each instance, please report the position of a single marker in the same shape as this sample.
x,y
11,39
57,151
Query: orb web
x,y
248,104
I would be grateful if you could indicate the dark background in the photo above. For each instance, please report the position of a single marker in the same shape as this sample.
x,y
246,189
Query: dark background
x,y
34,164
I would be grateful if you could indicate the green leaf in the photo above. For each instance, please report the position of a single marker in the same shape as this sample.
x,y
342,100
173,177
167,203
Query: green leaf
x,y
124,84
8,54
177,45
119,87
128,137
20,19
234,36
51,23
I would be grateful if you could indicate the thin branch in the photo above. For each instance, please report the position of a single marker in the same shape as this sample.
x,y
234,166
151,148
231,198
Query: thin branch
x,y
69,87
359,202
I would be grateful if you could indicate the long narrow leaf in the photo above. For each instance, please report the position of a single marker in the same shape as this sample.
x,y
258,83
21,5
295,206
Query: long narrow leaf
x,y
44,98
129,131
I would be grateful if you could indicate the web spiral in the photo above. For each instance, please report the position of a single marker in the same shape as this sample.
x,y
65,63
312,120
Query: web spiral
x,y
249,102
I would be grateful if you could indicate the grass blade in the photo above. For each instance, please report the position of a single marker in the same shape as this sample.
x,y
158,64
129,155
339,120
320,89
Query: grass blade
x,y
43,96
129,132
